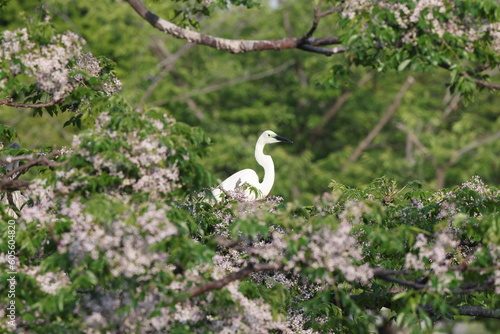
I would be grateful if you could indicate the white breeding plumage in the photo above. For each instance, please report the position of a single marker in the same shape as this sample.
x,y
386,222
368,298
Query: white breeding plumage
x,y
248,178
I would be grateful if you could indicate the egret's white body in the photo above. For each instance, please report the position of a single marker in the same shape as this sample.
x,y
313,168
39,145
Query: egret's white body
x,y
248,177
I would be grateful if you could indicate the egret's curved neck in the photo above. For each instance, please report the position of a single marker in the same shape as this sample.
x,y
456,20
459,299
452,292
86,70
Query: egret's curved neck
x,y
267,162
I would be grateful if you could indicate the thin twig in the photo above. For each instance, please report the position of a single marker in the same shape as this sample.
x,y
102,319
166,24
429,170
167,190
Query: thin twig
x,y
241,274
378,300
39,161
317,12
228,83
465,288
335,108
167,64
383,121
10,103
469,147
332,10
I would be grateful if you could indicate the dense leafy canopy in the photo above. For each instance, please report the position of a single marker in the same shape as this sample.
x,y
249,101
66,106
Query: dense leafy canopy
x,y
115,230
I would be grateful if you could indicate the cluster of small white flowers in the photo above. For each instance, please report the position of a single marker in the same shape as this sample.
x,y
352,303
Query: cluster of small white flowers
x,y
325,203
334,250
494,30
125,246
353,212
409,14
100,310
229,262
50,65
49,282
448,210
270,250
339,249
43,203
88,63
477,185
13,43
353,8
436,255
145,152
255,318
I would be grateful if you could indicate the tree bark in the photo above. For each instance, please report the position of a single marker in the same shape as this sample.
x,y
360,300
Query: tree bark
x,y
239,46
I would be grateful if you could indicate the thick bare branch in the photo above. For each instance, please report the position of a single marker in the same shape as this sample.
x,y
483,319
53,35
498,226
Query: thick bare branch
x,y
235,46
325,51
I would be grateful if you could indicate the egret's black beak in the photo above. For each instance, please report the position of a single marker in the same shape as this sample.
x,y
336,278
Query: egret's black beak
x,y
283,139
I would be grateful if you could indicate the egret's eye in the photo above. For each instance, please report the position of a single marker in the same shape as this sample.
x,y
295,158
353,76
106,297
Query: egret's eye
x,y
269,135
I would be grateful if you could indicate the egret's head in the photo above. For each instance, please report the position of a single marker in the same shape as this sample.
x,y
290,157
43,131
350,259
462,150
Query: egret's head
x,y
270,137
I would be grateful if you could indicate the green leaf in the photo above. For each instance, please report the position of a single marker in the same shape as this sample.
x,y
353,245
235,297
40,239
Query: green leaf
x,y
404,64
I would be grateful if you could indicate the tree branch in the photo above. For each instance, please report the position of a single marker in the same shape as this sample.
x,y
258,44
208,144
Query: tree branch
x,y
486,84
10,103
166,65
241,274
317,17
476,311
470,74
465,288
469,147
218,86
383,121
375,301
235,46
8,183
380,273
334,109
12,185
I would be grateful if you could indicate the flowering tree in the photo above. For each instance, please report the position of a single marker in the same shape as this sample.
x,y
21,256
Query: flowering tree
x,y
117,233
114,240
460,36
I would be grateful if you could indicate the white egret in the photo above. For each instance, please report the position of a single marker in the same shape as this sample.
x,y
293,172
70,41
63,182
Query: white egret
x,y
255,189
